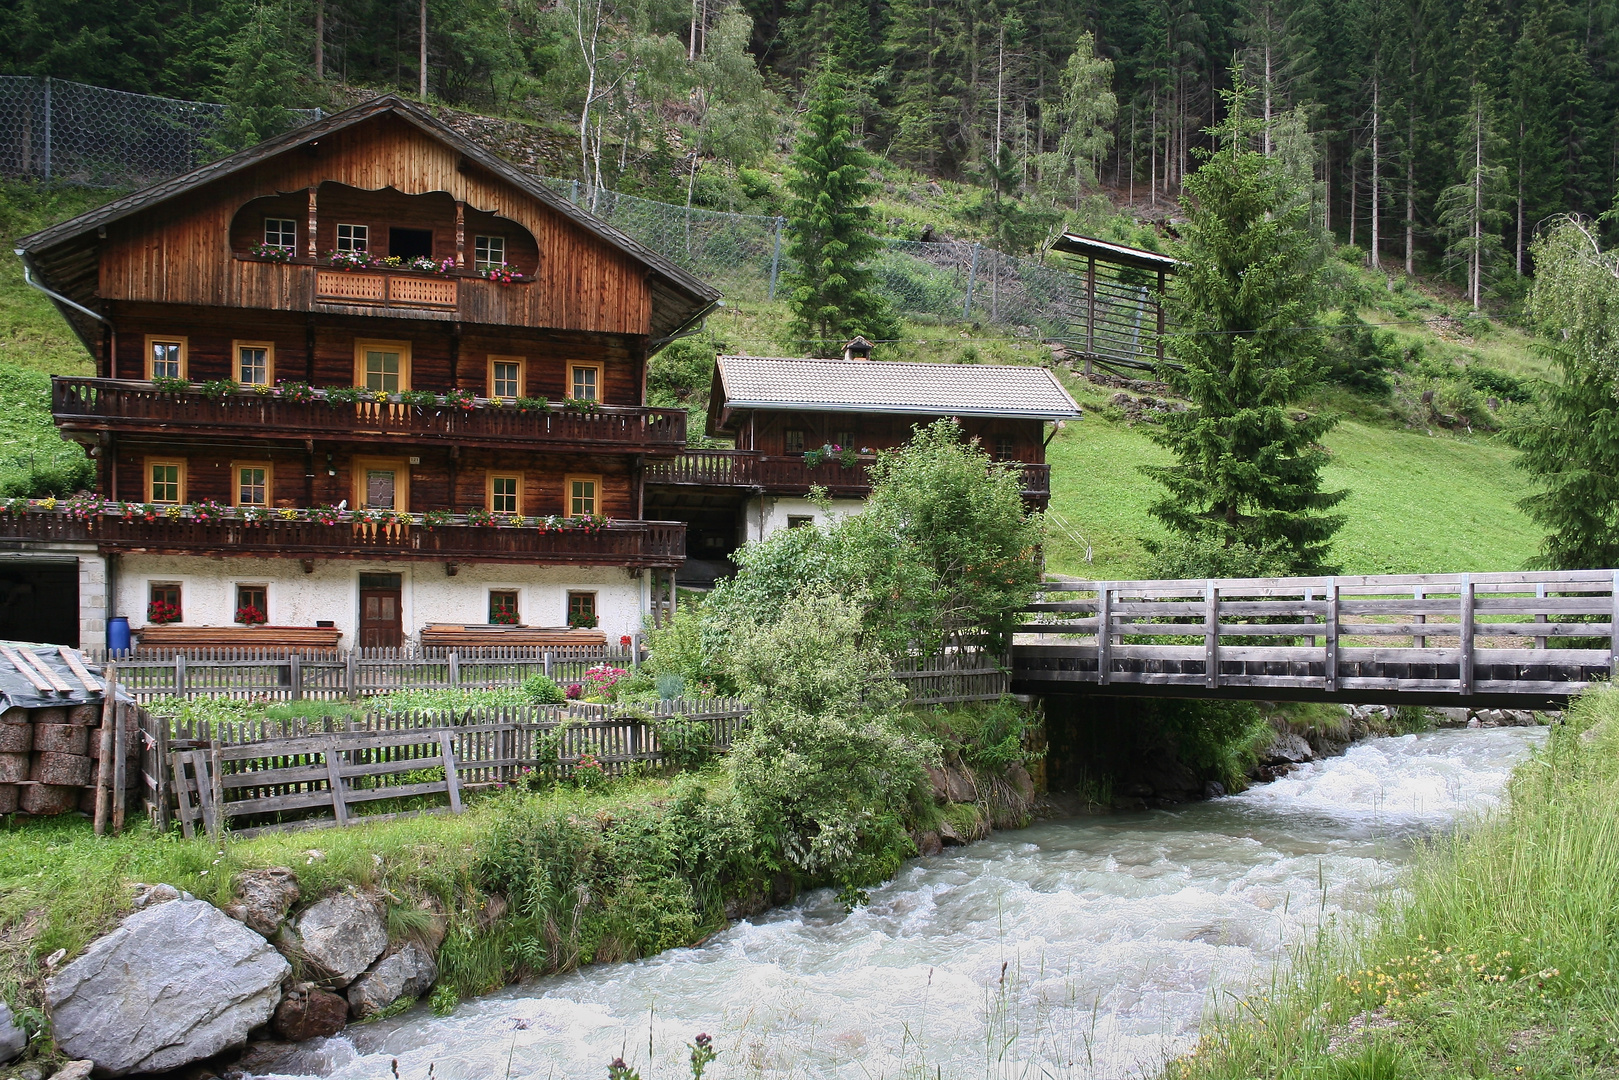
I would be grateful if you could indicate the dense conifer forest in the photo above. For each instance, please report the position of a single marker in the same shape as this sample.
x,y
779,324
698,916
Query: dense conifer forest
x,y
1439,132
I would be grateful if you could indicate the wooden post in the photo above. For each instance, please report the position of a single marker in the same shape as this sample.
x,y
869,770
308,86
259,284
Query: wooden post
x,y
1419,641
1540,616
180,690
334,780
205,792
1613,630
353,674
1465,668
1090,311
1160,316
109,706
120,767
1211,635
182,793
1309,594
1104,637
216,781
460,233
164,782
295,674
455,669
1330,667
635,652
452,784
546,657
311,230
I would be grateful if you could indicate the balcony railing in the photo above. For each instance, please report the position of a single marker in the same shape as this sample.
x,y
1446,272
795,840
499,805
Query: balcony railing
x,y
616,543
791,476
131,406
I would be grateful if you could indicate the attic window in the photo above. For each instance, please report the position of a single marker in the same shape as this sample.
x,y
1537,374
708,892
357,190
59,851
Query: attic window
x,y
353,238
280,233
488,251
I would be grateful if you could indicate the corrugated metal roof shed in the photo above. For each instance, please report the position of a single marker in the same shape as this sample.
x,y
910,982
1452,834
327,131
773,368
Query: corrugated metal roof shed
x,y
46,676
814,385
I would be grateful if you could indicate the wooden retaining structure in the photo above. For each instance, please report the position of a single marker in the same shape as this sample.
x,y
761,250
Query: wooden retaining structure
x,y
1424,639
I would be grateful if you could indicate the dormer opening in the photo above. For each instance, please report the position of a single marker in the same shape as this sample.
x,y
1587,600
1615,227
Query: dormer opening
x,y
858,349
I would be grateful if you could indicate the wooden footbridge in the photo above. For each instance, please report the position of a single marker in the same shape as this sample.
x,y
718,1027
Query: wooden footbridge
x,y
1522,640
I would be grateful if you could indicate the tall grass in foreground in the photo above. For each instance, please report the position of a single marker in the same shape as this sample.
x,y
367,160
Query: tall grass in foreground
x,y
1501,958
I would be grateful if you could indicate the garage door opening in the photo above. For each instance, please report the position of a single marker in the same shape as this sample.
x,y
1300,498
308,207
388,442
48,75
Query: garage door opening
x,y
39,601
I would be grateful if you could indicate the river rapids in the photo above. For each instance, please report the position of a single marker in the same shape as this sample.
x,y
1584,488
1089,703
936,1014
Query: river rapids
x,y
1089,947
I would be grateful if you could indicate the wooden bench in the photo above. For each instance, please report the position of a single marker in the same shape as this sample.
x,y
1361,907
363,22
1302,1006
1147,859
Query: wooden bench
x,y
448,636
169,636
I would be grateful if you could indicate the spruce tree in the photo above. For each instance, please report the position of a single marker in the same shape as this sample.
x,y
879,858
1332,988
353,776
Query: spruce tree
x,y
1242,305
832,231
1571,446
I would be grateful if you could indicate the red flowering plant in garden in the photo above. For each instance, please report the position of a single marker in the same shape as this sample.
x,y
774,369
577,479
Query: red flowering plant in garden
x,y
574,691
161,611
603,677
624,641
251,615
588,771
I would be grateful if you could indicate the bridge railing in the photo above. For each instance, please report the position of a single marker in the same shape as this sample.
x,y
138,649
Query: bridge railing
x,y
1546,633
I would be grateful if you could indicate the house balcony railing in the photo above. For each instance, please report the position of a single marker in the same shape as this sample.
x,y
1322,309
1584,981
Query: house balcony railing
x,y
602,543
781,475
129,406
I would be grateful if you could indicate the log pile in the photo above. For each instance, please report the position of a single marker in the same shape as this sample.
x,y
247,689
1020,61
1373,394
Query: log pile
x,y
49,758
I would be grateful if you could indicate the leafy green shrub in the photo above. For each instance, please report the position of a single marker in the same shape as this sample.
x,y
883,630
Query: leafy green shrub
x,y
687,742
822,774
989,736
543,691
670,686
1181,558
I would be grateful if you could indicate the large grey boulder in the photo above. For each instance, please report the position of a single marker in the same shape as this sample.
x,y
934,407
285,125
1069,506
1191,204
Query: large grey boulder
x,y
263,897
175,983
13,1040
1288,749
406,972
342,935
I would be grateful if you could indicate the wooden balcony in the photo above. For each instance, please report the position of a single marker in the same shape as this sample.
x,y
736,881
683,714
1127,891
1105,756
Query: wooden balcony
x,y
791,476
133,407
619,543
385,288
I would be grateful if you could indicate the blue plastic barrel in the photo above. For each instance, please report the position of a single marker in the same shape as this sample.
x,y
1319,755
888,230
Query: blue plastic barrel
x,y
118,634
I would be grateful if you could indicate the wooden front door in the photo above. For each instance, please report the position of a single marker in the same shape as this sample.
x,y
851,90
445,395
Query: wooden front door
x,y
382,624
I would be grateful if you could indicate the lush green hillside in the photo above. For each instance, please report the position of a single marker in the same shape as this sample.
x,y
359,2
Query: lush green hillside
x,y
1417,503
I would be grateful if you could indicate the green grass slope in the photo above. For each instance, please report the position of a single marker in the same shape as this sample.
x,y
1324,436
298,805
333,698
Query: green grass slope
x,y
1417,503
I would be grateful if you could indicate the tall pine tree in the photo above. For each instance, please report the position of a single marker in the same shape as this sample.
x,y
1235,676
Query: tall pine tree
x,y
832,231
1248,467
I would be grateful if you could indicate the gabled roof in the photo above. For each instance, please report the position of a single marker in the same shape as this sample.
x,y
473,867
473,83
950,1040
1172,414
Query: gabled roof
x,y
680,294
810,385
1118,254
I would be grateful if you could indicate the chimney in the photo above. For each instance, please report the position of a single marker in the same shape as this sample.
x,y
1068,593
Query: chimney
x,y
858,349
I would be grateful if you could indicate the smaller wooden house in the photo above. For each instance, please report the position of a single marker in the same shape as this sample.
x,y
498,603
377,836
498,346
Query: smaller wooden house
x,y
800,422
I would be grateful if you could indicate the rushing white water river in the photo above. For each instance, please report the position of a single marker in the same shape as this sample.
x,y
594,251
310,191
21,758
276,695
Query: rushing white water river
x,y
1089,947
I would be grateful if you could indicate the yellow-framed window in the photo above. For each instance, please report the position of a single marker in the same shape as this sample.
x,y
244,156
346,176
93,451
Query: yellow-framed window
x,y
382,483
382,365
166,357
506,376
253,362
165,480
252,483
585,382
583,495
504,493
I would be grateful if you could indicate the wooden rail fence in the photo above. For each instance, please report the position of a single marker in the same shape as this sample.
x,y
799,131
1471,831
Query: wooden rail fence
x,y
330,674
211,774
1431,638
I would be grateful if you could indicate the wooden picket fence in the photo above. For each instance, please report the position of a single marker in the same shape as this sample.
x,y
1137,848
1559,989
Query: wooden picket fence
x,y
335,674
209,774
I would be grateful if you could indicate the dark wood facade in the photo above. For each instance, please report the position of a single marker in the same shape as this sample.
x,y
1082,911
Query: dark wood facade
x,y
189,267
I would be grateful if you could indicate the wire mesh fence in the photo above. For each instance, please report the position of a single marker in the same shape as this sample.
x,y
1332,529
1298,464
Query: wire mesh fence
x,y
71,133
66,132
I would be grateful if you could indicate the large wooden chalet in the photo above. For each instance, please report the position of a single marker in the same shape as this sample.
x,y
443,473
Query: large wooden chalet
x,y
798,423
320,366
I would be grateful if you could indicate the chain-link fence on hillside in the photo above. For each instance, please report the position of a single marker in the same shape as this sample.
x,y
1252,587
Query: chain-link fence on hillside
x,y
68,132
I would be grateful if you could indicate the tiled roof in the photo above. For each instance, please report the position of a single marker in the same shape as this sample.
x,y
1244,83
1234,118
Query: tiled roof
x,y
775,382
